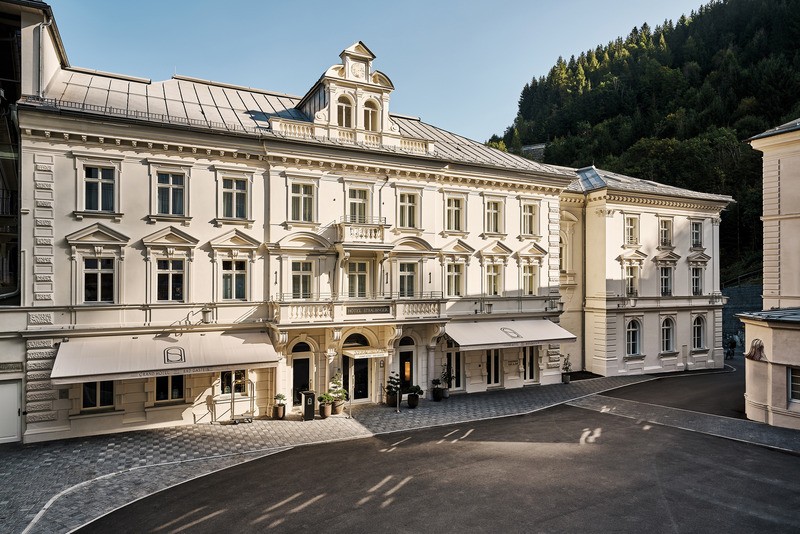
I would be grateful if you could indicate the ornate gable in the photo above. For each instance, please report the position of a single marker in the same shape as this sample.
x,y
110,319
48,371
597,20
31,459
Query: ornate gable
x,y
698,259
235,239
97,235
667,258
634,257
413,245
305,242
531,253
495,252
457,251
169,240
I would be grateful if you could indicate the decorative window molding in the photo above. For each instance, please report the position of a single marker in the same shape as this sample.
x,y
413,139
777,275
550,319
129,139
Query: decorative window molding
x,y
302,199
493,259
668,331
96,242
97,193
633,337
228,251
529,211
666,233
170,191
176,248
358,204
409,209
631,263
696,234
455,279
699,333
494,216
530,260
234,195
455,214
631,230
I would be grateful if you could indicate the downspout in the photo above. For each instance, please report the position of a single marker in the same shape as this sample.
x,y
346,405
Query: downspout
x,y
42,26
583,288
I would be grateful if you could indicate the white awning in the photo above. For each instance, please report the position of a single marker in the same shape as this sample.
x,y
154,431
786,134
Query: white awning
x,y
365,352
480,335
144,356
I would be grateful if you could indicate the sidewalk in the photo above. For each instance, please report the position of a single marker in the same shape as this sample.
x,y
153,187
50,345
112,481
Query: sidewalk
x,y
59,486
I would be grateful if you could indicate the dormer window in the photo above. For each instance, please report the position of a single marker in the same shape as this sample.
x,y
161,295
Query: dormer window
x,y
371,120
344,110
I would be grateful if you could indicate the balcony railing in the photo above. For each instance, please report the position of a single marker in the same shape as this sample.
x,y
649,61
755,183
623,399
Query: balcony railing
x,y
324,308
358,229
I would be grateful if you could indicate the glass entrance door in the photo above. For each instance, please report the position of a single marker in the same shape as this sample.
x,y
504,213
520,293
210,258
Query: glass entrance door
x,y
356,372
300,382
406,370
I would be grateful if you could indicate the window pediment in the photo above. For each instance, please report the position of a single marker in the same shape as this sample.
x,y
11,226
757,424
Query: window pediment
x,y
532,252
97,234
167,240
698,258
235,239
667,258
632,257
302,241
413,245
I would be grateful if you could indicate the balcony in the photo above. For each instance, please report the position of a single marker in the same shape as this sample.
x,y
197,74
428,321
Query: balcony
x,y
361,230
322,309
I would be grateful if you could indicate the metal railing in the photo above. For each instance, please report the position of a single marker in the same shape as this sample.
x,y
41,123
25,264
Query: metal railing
x,y
366,296
356,219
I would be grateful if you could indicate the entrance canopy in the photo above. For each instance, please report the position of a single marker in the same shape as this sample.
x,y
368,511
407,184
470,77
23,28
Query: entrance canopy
x,y
147,355
480,335
365,352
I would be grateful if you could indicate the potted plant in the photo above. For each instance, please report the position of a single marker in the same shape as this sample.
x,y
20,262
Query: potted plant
x,y
447,381
325,405
438,392
413,396
338,393
392,389
279,410
566,369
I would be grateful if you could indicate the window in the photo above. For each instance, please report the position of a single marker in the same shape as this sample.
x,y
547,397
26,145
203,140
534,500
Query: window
x,y
239,382
530,363
453,365
665,276
494,279
632,280
408,272
668,335
562,254
455,279
169,388
99,186
697,234
698,333
494,214
170,280
454,211
529,286
98,279
344,112
493,367
358,205
234,198
302,209
697,281
408,210
633,338
357,279
665,232
97,395
794,383
234,280
170,194
631,230
301,279
528,219
371,117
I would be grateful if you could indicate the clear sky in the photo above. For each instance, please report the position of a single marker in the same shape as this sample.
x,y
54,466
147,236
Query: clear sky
x,y
459,65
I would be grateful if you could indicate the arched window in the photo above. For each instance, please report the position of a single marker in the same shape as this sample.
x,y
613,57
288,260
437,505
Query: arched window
x,y
344,112
633,338
406,341
698,333
356,340
668,335
371,117
301,347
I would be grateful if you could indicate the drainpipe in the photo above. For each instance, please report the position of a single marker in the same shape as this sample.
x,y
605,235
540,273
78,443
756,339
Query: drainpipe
x,y
583,288
42,26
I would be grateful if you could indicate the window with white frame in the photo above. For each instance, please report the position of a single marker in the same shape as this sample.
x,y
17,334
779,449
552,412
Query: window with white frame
x,y
408,279
631,230
169,388
528,217
357,279
344,112
698,333
562,254
697,281
302,273
371,117
794,383
171,194
234,280
632,280
665,232
358,200
235,382
697,234
633,338
665,275
493,223
170,280
302,203
98,279
97,395
99,189
530,363
494,279
454,214
407,207
529,285
668,335
455,279
234,198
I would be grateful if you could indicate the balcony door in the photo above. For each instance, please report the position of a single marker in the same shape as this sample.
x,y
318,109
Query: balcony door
x,y
357,206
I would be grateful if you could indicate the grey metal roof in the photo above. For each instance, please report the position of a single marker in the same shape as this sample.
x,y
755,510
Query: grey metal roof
x,y
783,128
787,315
591,178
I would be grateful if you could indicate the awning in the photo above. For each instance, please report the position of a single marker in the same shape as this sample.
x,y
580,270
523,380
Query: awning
x,y
365,352
480,335
144,356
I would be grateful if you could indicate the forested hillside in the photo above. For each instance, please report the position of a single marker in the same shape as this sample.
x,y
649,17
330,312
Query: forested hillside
x,y
674,104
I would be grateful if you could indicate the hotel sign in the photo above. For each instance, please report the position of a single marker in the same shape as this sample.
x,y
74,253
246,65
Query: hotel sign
x,y
367,310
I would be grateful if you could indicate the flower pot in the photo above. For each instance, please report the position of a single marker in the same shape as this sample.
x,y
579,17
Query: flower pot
x,y
438,394
565,378
278,411
445,393
413,400
338,407
391,400
325,410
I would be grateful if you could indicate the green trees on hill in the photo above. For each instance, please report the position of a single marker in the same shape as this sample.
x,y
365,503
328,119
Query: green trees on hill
x,y
674,104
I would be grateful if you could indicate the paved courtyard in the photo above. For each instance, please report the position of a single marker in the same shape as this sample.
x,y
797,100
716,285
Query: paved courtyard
x,y
59,486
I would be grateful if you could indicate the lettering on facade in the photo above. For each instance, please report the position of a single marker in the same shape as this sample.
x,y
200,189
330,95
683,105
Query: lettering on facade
x,y
168,372
367,310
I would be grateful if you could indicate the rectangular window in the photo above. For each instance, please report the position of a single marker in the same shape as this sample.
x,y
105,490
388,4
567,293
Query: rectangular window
x,y
99,189
358,205
98,394
493,367
234,280
357,279
98,279
493,217
665,275
302,203
697,234
455,278
408,210
170,280
408,273
665,232
170,194
794,383
528,219
697,281
301,279
234,198
169,388
239,382
529,280
632,280
493,279
454,213
631,230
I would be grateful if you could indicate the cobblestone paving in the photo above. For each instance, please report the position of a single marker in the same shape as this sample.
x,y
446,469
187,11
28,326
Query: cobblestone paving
x,y
58,486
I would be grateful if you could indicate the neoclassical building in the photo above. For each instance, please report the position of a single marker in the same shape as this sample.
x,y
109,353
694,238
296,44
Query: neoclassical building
x,y
188,249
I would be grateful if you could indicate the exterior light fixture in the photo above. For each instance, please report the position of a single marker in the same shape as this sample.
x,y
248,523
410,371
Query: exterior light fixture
x,y
206,314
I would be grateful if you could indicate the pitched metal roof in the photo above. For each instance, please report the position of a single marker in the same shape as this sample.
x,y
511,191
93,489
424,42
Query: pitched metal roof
x,y
783,128
786,315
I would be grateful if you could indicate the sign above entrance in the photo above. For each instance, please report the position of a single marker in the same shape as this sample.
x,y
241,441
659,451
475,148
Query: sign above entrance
x,y
366,352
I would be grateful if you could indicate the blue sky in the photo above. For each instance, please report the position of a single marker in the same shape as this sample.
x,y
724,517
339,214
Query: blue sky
x,y
459,65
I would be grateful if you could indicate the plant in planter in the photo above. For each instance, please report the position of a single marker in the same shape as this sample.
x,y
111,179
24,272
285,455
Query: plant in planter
x,y
325,405
447,380
392,389
338,393
279,410
413,396
566,369
438,391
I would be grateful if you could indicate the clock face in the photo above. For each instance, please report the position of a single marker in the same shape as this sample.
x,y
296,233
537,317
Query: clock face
x,y
358,70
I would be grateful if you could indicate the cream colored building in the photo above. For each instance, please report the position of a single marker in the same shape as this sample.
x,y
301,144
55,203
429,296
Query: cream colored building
x,y
188,249
772,388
